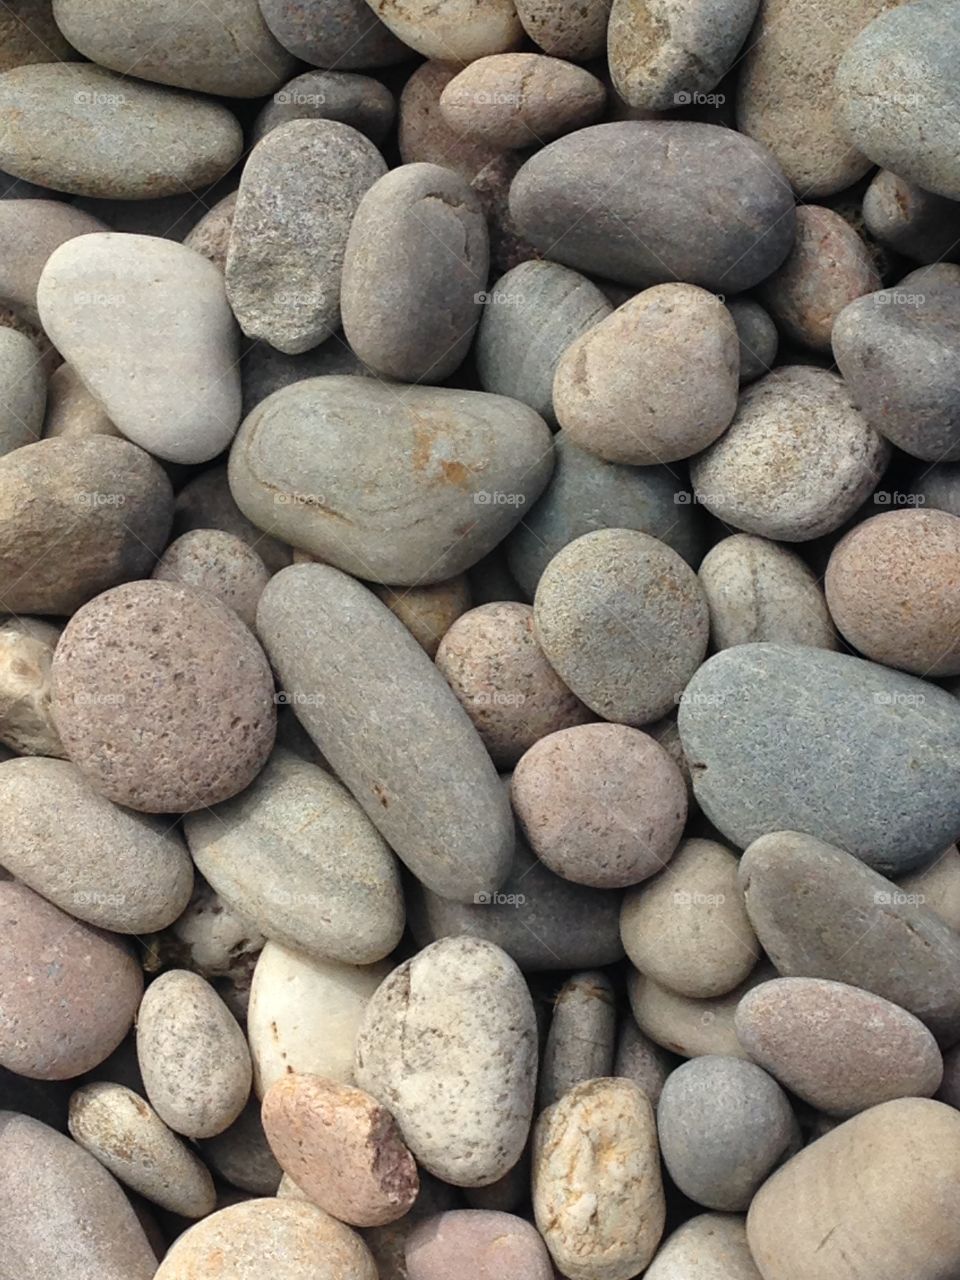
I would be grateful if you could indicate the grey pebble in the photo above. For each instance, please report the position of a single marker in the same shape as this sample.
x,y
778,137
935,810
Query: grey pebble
x,y
242,1156
219,563
758,338
23,391
333,33
205,502
642,1060
918,224
581,1040
359,101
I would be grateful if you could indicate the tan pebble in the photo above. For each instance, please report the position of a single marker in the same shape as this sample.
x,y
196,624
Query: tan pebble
x,y
72,410
427,612
26,721
580,1043
219,563
686,1025
937,887
425,136
712,1246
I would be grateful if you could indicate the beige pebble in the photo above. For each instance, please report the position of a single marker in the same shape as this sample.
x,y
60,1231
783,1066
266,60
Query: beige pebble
x,y
937,887
72,409
686,1025
712,1246
485,1244
219,563
26,720
427,612
642,1060
424,134
580,1043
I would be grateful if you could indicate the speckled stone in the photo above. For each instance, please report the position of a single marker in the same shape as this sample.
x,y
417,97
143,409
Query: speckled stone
x,y
79,128
597,1147
640,1059
106,498
643,612
712,1246
456,32
582,1036
68,991
30,230
29,33
624,200
819,913
424,134
428,612
299,192
458,1003
916,223
63,1214
789,738
72,410
211,235
758,338
23,391
421,228
495,1246
333,33
566,28
359,101
937,887
218,563
26,719
205,502
342,1148
508,248
177,713
689,1026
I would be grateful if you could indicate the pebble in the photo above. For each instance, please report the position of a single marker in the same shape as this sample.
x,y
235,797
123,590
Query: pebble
x,y
521,100
531,316
205,502
600,804
654,382
63,1213
300,189
459,31
669,54
129,1138
783,738
566,28
84,130
342,34
882,1180
625,200
457,1004
937,887
839,1048
68,991
712,1246
241,1154
597,1192
111,867
686,1025
446,477
687,928
881,341
495,1246
724,1125
26,719
421,227
342,1148
358,101
915,223
759,591
72,410
193,1055
30,230
424,134
304,1015
219,564
285,1239
428,612
177,712
647,619
758,336
580,1043
640,1059
113,302
211,235
296,856
29,33
897,95
227,51
819,913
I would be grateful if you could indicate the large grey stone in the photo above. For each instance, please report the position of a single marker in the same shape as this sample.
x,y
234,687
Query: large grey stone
x,y
333,33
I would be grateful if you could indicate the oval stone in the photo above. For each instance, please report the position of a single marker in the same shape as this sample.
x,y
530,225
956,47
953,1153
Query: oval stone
x,y
566,28
359,101
624,200
787,738
687,1025
333,33
915,223
712,1246
456,31
491,1244
582,1037
23,391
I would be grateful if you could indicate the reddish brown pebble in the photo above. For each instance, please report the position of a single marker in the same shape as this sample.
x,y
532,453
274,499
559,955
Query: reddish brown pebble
x,y
481,1243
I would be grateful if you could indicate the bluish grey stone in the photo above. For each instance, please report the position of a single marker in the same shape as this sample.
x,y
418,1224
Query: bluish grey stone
x,y
758,338
790,738
359,101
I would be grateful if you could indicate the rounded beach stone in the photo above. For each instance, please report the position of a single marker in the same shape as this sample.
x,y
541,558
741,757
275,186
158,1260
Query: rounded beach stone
x,y
458,1003
359,101
459,31
79,128
446,476
129,1138
342,1148
495,1246
937,887
299,192
786,97
424,134
758,338
916,223
23,391
68,991
241,1154
881,1182
304,1015
566,28
787,738
893,587
724,1125
117,305
688,1026
574,1166
333,33
286,1239
111,867
108,499
897,95
176,712
193,1055
881,341
798,459
640,1059
521,99
416,262
688,927
624,201
296,856
72,410
644,613
820,913
580,1043
227,51
63,1214
211,235
601,804
758,590
828,266
669,54
492,661
205,502
712,1246
219,564
837,1047
26,718
655,382
30,230
428,612
532,314
391,728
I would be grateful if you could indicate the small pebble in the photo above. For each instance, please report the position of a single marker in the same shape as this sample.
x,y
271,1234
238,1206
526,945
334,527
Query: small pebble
x,y
580,1043
359,101
26,719
712,1246
496,1246
220,564
72,410
342,34
688,1025
242,1156
758,338
428,612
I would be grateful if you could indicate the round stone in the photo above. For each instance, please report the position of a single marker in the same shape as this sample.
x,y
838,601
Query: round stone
x,y
359,101
333,33
459,31
490,1245
712,1246
566,28
758,338
219,564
